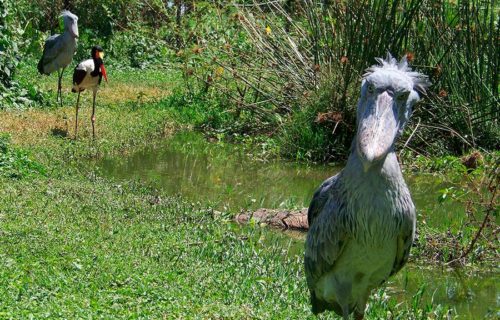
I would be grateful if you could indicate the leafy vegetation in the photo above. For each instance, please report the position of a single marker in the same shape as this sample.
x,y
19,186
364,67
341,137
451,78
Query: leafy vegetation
x,y
291,69
12,37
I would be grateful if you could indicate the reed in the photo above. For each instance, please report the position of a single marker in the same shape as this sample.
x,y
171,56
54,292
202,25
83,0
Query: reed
x,y
303,56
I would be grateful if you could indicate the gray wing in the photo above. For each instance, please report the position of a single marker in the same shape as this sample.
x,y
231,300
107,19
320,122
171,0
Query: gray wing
x,y
327,234
319,199
405,240
53,46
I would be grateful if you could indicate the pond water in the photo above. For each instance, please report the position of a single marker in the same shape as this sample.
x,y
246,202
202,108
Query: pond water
x,y
228,178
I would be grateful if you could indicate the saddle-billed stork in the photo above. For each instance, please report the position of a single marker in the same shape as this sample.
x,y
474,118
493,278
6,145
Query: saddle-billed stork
x,y
88,75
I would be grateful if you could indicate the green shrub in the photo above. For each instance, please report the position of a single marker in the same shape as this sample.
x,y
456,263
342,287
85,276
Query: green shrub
x,y
13,38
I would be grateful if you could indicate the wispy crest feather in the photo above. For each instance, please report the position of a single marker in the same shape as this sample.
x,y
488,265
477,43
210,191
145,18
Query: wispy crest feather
x,y
67,13
420,81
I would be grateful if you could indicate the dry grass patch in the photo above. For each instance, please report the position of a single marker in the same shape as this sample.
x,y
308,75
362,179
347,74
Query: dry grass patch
x,y
119,93
32,126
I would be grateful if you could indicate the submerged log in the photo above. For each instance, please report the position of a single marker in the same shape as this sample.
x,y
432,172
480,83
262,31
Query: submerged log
x,y
276,218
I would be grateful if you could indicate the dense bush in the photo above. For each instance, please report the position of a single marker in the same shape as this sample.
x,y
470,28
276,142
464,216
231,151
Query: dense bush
x,y
13,38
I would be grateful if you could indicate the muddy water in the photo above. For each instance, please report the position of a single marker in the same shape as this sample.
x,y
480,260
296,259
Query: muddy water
x,y
227,178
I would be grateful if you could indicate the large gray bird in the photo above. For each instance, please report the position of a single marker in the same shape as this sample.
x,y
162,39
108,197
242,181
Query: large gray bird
x,y
59,50
362,220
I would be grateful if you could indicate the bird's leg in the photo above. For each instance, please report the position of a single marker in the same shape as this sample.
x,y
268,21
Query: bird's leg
x,y
345,313
93,115
343,292
59,85
359,311
76,117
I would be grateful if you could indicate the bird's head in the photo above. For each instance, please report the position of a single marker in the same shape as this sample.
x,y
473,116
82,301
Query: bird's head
x,y
70,23
97,54
388,92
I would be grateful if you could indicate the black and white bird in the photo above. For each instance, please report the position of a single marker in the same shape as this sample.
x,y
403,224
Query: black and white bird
x,y
59,50
88,75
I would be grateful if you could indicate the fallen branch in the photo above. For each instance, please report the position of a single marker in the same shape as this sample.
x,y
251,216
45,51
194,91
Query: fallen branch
x,y
280,219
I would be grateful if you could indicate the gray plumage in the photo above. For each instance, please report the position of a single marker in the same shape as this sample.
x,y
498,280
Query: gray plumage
x,y
59,49
362,221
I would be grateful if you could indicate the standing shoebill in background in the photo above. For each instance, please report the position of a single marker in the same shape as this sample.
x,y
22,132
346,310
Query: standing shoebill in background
x,y
59,50
362,220
88,75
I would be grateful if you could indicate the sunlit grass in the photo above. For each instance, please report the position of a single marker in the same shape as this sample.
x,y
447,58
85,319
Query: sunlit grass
x,y
87,247
125,112
74,244
123,86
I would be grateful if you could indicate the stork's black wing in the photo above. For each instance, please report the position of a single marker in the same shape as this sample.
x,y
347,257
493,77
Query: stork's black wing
x,y
78,76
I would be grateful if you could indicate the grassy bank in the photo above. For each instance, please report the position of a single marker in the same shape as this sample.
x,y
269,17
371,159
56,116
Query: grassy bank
x,y
75,245
78,246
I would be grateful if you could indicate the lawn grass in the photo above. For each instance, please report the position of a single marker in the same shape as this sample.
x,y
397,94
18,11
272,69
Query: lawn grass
x,y
82,247
75,245
90,248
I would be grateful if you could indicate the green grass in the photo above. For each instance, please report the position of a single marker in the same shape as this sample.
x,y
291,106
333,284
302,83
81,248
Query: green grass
x,y
76,245
79,246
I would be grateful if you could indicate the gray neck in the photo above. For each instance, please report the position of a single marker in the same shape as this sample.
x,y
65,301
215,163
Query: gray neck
x,y
385,171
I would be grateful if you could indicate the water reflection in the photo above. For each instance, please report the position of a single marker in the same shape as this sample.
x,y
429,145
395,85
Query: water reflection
x,y
225,176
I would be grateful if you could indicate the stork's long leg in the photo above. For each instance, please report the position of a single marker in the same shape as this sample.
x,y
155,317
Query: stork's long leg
x,y
93,115
76,117
59,85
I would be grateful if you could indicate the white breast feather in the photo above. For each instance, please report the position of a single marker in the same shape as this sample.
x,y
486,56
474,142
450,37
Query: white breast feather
x,y
88,81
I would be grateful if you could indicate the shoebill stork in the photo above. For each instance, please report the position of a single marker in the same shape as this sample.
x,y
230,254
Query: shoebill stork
x,y
362,220
88,75
59,50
